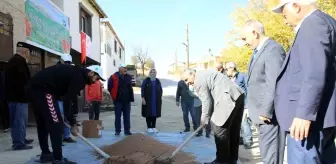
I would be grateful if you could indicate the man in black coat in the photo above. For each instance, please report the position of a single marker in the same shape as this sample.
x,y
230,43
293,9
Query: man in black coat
x,y
17,77
44,89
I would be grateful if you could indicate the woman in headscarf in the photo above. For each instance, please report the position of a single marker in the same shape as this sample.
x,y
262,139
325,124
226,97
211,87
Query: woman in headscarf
x,y
151,93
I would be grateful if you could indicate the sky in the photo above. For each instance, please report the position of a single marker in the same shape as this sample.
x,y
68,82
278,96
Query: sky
x,y
160,26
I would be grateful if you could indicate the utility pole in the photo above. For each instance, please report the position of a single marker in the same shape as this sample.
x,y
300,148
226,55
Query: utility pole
x,y
187,47
175,60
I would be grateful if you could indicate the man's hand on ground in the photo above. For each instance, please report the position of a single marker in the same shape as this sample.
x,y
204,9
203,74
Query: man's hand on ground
x,y
265,119
74,130
300,128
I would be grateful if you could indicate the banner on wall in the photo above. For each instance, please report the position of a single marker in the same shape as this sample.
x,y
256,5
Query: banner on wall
x,y
47,27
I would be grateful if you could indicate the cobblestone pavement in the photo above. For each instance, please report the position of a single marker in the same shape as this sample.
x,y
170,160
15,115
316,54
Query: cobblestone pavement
x,y
170,122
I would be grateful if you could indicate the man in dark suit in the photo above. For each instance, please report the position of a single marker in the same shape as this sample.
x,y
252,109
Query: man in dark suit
x,y
223,103
305,102
17,77
264,67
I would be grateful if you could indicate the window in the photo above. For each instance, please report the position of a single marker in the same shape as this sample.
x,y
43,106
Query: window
x,y
119,53
85,21
115,46
108,49
114,63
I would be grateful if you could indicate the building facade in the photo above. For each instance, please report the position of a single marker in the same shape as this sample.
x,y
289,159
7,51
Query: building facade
x,y
84,16
12,30
112,50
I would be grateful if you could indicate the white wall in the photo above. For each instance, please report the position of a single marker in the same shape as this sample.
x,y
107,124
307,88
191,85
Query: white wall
x,y
107,61
71,9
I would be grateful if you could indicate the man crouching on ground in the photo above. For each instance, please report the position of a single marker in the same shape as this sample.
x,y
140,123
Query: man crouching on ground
x,y
223,102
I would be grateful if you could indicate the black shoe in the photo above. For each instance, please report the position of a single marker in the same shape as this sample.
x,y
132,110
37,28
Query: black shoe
x,y
46,158
186,130
24,147
198,135
128,133
207,135
248,145
29,141
241,141
69,140
63,161
117,133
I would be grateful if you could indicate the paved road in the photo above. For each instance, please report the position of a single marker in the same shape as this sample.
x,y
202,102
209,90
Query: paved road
x,y
170,122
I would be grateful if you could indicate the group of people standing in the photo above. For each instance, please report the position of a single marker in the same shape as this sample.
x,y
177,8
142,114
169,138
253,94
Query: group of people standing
x,y
289,95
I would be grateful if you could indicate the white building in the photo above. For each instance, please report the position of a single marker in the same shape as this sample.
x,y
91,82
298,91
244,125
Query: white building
x,y
112,50
84,17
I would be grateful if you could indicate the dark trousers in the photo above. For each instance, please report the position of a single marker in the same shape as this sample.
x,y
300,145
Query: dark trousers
x,y
94,110
151,122
198,111
318,148
227,135
272,142
18,113
49,121
188,107
125,110
4,115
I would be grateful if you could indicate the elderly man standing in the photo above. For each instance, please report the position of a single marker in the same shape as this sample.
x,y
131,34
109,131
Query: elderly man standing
x,y
223,102
264,67
120,88
240,79
186,97
305,94
17,77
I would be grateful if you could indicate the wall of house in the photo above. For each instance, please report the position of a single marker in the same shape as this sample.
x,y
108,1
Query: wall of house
x,y
95,40
109,63
16,9
71,8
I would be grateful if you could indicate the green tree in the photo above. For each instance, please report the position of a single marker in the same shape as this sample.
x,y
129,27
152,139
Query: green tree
x,y
274,25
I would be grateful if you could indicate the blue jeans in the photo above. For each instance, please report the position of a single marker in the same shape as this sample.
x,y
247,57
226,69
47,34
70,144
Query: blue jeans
x,y
186,108
66,130
18,113
246,131
125,110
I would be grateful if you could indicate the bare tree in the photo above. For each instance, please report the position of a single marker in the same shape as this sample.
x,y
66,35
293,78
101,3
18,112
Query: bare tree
x,y
134,60
142,56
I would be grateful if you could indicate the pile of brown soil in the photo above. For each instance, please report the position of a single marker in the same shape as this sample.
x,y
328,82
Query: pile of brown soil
x,y
142,149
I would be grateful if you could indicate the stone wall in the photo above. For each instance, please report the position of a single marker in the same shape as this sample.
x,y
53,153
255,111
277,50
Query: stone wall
x,y
16,9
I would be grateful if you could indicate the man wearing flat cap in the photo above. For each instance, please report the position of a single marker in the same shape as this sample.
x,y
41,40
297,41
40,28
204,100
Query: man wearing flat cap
x,y
120,88
17,77
305,103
